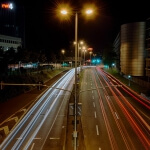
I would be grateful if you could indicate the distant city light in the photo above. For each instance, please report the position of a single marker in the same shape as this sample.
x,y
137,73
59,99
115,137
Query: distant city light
x,y
7,5
96,61
90,49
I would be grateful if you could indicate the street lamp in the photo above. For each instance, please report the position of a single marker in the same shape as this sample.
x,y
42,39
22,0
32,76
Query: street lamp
x,y
78,53
129,77
84,50
64,12
90,57
63,51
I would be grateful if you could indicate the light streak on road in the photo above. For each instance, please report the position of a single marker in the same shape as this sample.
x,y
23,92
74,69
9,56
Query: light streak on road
x,y
28,125
106,120
138,124
120,115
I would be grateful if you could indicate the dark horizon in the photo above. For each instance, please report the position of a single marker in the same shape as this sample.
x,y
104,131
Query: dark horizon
x,y
44,32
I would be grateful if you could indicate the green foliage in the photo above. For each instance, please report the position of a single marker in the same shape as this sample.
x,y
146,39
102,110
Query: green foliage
x,y
33,78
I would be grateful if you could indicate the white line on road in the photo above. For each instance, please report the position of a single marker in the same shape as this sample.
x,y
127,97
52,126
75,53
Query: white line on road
x,y
32,146
95,114
116,115
97,130
99,148
93,97
93,104
92,91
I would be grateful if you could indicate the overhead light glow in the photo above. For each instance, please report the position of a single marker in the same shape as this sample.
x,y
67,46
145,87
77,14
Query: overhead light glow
x,y
90,11
64,12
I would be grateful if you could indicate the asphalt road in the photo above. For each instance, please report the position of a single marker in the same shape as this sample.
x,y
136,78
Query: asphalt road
x,y
43,124
113,117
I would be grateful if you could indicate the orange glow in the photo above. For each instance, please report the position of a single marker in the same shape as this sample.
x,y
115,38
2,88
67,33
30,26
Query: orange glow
x,y
90,49
63,11
7,6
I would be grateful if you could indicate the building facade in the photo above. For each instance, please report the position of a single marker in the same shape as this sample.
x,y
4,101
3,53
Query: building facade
x,y
11,25
7,42
147,68
132,49
8,19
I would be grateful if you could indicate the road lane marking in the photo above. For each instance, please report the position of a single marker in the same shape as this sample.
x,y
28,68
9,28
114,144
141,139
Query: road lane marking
x,y
93,104
99,148
32,146
95,114
92,91
116,115
97,130
93,97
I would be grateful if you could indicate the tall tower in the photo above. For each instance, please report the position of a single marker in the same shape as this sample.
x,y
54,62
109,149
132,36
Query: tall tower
x,y
132,51
8,19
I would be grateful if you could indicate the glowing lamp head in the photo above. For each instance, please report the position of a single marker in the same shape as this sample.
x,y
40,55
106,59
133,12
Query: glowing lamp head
x,y
89,11
64,12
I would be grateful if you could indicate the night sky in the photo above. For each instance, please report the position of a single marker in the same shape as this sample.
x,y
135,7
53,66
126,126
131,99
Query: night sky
x,y
46,32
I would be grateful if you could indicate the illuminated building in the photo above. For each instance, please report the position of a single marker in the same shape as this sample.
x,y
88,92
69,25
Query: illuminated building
x,y
11,26
7,42
132,49
148,49
8,20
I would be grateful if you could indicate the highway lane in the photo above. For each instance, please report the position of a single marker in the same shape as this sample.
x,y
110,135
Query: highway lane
x,y
37,127
113,117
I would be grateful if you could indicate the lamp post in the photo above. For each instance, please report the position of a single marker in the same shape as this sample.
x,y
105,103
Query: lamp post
x,y
84,50
63,51
79,51
75,100
129,77
90,57
64,12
